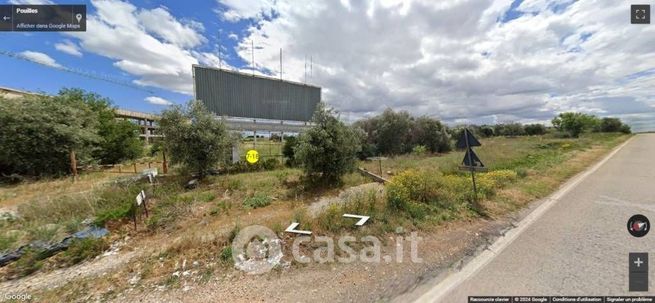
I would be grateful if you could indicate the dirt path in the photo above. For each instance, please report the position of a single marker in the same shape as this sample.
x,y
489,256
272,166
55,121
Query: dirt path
x,y
333,282
59,277
354,282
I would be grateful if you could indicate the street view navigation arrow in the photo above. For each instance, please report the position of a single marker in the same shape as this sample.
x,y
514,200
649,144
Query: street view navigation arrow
x,y
362,219
292,229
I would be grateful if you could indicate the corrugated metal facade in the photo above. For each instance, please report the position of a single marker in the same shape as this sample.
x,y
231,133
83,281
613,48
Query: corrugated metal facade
x,y
229,93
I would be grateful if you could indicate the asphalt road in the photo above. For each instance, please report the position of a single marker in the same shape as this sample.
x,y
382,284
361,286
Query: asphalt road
x,y
577,246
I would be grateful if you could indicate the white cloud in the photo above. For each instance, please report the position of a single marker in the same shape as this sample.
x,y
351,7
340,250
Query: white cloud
x,y
158,101
68,47
233,36
40,58
455,60
244,9
160,22
151,45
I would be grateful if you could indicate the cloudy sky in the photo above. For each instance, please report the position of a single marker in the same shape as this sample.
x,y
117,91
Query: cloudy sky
x,y
461,61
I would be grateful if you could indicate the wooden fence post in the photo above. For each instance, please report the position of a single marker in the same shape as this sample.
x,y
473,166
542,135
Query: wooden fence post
x,y
165,166
73,164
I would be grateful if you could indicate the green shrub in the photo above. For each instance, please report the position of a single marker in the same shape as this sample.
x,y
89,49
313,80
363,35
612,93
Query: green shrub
x,y
168,209
574,123
124,211
288,150
397,196
231,184
39,133
328,150
419,150
417,211
257,201
535,129
422,193
271,164
194,137
331,219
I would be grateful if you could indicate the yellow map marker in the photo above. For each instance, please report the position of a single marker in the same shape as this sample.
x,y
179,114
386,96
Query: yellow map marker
x,y
252,156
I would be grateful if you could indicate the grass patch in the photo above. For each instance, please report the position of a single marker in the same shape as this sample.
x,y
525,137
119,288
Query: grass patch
x,y
425,191
226,254
30,262
82,249
257,201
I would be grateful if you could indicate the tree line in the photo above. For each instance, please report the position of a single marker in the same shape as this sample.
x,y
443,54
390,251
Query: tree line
x,y
38,133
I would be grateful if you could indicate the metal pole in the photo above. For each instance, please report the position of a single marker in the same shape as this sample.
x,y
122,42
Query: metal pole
x,y
468,153
252,51
280,63
220,65
145,207
134,216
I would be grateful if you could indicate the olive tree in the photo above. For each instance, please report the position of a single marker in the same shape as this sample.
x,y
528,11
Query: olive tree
x,y
328,150
194,137
37,135
574,123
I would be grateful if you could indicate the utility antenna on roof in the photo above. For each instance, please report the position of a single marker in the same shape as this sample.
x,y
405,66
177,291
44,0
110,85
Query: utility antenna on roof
x,y
305,69
280,63
252,50
220,64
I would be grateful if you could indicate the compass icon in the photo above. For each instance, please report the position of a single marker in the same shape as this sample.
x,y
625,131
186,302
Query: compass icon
x,y
638,226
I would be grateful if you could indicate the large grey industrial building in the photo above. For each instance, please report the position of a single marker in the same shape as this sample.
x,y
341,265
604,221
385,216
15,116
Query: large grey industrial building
x,y
270,104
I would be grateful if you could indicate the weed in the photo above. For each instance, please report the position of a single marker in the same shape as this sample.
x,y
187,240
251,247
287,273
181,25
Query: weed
x,y
257,201
226,254
205,197
232,184
29,262
234,232
83,249
123,211
7,241
419,150
44,233
206,274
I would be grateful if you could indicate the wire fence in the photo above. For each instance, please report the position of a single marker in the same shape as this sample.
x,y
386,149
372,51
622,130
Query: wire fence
x,y
126,168
266,149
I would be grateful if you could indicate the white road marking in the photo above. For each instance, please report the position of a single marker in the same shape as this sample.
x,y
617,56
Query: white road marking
x,y
438,292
